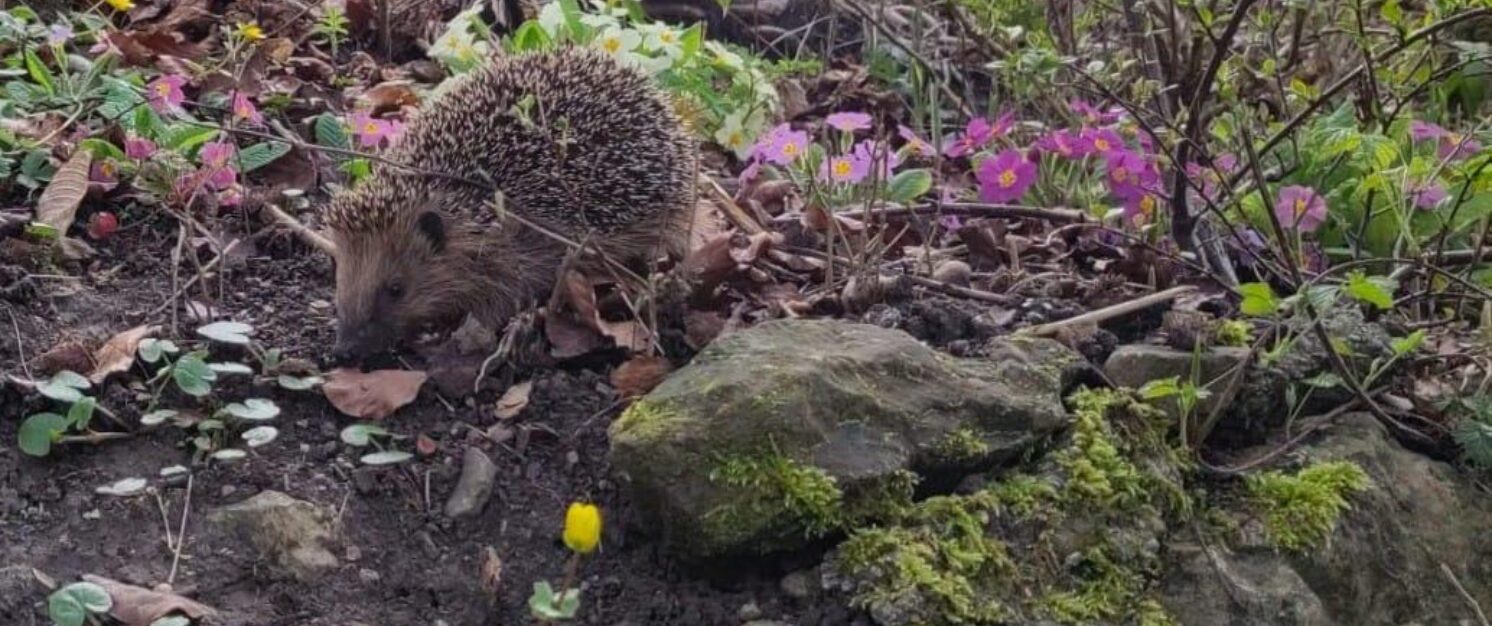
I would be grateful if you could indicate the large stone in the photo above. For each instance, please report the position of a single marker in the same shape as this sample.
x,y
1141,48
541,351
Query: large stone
x,y
474,488
1380,567
1213,370
291,534
772,431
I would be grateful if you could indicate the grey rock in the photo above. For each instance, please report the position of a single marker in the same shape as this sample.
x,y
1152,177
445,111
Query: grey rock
x,y
799,585
474,487
749,611
291,534
1213,370
857,402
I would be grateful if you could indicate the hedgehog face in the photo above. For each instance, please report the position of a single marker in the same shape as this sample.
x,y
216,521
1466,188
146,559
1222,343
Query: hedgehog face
x,y
391,283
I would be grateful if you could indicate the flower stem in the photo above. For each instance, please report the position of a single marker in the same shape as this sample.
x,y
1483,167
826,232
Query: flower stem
x,y
571,569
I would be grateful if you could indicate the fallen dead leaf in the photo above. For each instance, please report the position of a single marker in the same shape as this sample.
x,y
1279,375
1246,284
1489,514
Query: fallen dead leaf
x,y
630,334
701,327
371,395
640,375
118,353
513,400
137,606
492,573
58,206
389,96
70,355
425,445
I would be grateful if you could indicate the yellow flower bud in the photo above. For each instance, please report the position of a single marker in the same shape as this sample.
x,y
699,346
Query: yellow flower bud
x,y
582,527
250,32
121,5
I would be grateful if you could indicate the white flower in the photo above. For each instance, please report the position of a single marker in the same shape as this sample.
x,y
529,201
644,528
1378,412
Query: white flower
x,y
663,38
654,65
724,56
734,135
599,22
618,42
552,19
458,49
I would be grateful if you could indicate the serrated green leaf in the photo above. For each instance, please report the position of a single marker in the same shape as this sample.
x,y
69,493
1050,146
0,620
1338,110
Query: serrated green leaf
x,y
39,72
1258,300
71,605
102,149
39,432
184,138
261,154
260,435
1408,343
331,133
909,185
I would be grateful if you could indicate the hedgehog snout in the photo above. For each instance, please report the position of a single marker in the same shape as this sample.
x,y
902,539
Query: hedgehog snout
x,y
358,342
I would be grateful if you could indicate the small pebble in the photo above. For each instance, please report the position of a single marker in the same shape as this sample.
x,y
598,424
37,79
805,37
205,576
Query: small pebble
x,y
354,553
368,576
749,611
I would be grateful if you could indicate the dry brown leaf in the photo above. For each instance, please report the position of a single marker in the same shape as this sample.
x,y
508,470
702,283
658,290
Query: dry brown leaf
x,y
137,606
371,395
389,96
630,334
70,355
58,206
118,353
637,377
712,262
513,400
492,573
567,337
701,327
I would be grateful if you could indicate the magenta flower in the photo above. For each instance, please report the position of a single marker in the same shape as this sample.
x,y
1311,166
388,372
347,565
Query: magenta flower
x,y
1141,207
216,157
164,93
1004,124
950,223
104,173
1300,208
782,145
1428,196
916,145
1063,143
59,34
232,196
978,133
844,169
1005,177
138,148
1102,141
371,131
1423,131
878,154
244,109
1129,174
751,172
1455,147
1092,115
848,121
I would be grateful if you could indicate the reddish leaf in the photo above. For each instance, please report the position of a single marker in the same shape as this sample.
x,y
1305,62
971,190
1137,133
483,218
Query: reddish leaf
x,y
640,375
117,354
371,395
389,96
101,225
425,445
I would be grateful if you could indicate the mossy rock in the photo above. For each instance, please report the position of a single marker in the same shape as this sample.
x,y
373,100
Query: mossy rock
x,y
787,431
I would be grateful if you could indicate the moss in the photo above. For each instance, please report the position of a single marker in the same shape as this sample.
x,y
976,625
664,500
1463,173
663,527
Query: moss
x,y
940,568
1106,593
1097,472
1024,494
771,491
962,447
886,500
647,417
1236,333
1300,511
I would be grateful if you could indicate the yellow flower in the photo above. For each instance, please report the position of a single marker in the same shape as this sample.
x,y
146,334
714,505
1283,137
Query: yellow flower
x,y
121,5
250,32
582,527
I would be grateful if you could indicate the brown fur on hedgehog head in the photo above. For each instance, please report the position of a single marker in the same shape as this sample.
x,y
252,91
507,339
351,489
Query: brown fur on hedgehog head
x,y
405,263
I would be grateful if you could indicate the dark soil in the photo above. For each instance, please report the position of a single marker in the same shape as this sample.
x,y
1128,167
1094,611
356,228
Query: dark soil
x,y
402,561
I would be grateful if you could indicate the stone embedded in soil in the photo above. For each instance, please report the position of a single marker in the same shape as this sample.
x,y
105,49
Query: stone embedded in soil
x,y
17,589
291,534
1379,567
474,488
812,399
1134,365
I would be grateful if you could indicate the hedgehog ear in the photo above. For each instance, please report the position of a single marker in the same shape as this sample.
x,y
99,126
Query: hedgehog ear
x,y
433,228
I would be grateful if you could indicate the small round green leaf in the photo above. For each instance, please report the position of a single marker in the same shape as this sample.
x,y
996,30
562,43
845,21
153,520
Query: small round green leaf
x,y
192,375
81,413
230,368
256,409
39,431
359,434
260,435
122,488
298,383
155,418
229,454
70,605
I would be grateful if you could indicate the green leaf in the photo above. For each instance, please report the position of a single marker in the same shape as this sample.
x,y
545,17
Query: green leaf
x,y
227,332
331,133
1162,388
151,349
691,40
298,383
358,169
39,432
387,457
360,435
157,417
1377,290
64,386
1258,300
184,138
543,604
260,435
172,620
70,605
42,231
39,72
1392,13
102,149
909,185
571,11
529,37
229,454
260,155
1409,343
81,413
254,409
1324,380
231,368
192,375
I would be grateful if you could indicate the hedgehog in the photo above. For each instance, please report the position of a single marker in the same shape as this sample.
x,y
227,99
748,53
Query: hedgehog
x,y
579,148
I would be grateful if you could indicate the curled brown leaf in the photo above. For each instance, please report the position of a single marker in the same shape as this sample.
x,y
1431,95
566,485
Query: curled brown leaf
x,y
371,395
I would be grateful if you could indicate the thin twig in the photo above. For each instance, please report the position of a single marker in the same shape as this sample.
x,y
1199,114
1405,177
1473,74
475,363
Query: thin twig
x,y
1476,607
1110,312
186,509
311,237
20,345
208,267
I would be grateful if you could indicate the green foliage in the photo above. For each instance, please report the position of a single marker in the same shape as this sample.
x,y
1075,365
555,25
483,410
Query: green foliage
x,y
74,604
547,606
1258,300
962,447
1473,430
331,27
1235,333
1106,591
1096,470
1300,511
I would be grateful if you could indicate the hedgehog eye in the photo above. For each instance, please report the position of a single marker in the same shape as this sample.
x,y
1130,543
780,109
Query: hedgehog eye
x,y
394,290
